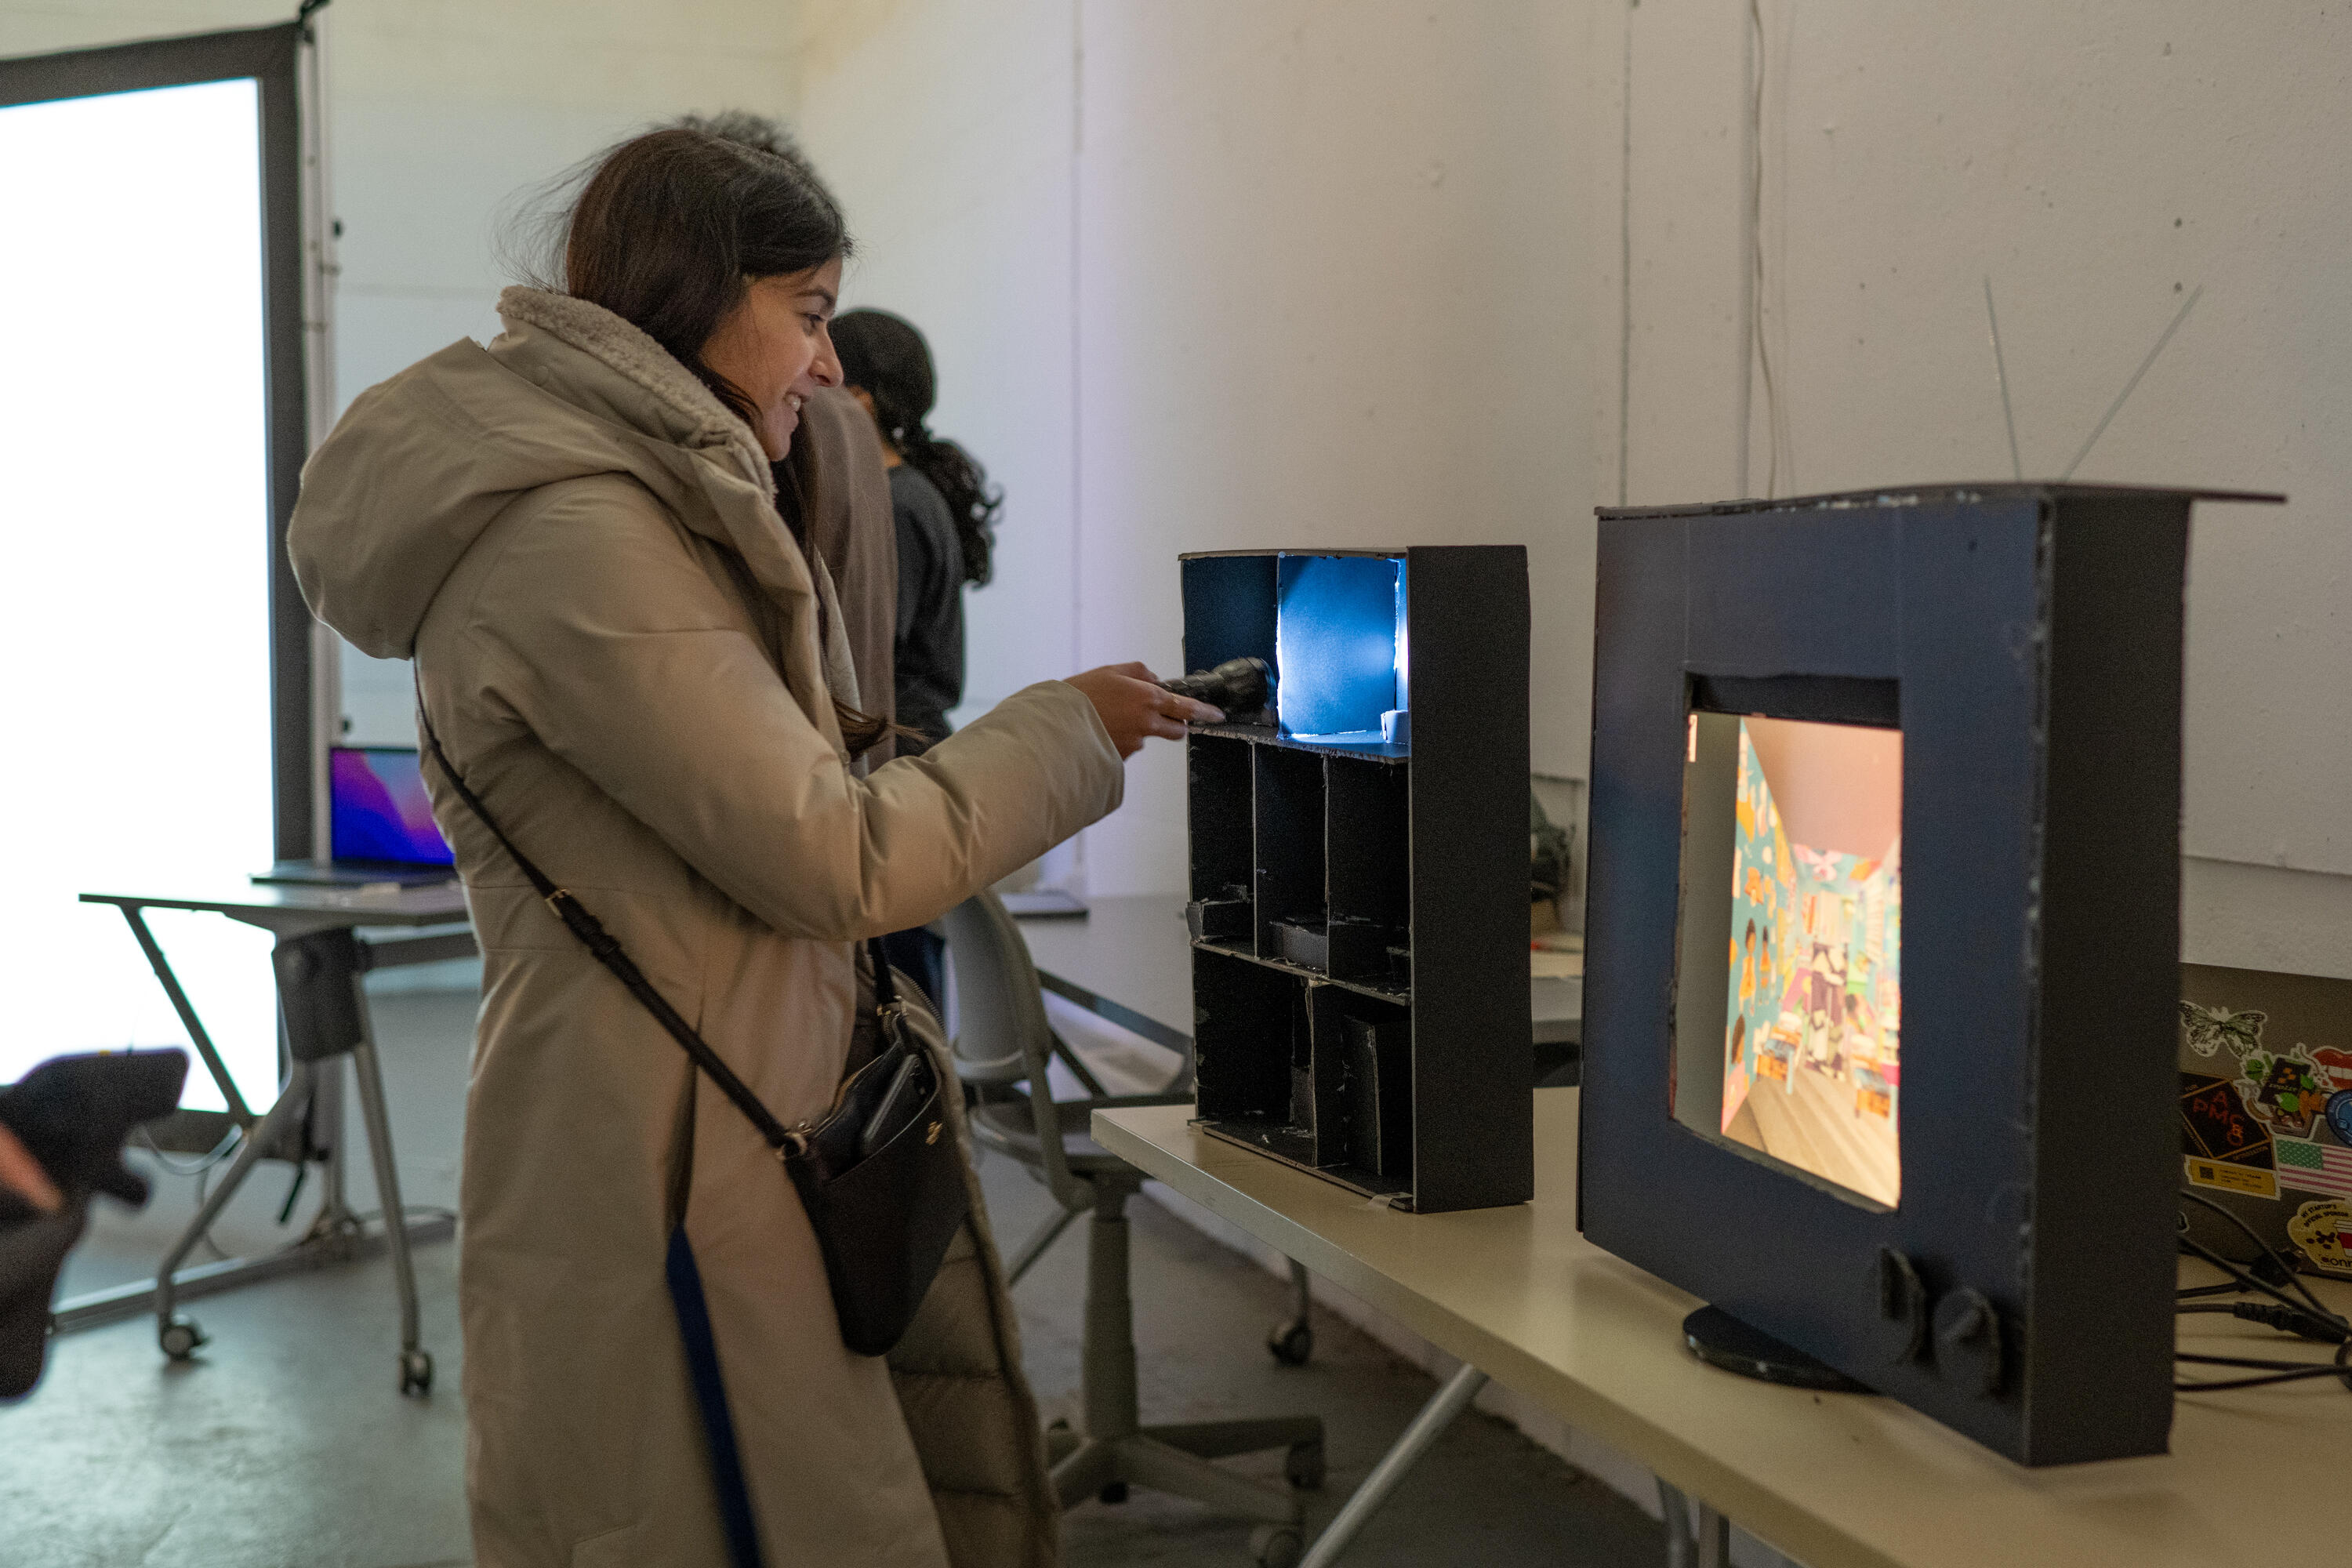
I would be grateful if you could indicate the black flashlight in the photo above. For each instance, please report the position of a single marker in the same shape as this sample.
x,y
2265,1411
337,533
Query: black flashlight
x,y
1237,686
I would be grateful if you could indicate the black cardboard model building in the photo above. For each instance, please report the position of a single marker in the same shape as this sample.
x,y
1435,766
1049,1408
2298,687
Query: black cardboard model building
x,y
1883,943
1358,870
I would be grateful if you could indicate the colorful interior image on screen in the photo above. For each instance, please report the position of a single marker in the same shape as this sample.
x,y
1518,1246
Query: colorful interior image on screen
x,y
1812,1011
381,810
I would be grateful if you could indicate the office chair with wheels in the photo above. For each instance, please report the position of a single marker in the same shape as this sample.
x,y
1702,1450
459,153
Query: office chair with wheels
x,y
1000,1014
1001,1039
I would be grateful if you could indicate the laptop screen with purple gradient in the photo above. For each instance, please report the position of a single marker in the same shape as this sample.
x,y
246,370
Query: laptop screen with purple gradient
x,y
381,811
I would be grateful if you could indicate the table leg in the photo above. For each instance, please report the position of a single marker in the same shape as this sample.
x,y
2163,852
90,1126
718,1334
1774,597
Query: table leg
x,y
1673,1509
327,1129
188,1019
177,1335
325,1017
1714,1539
416,1365
1435,1416
1709,1545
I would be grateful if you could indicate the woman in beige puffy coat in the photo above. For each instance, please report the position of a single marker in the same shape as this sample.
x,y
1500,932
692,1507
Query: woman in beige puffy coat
x,y
574,534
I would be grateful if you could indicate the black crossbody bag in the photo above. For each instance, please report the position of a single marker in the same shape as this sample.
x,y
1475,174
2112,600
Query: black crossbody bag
x,y
880,1173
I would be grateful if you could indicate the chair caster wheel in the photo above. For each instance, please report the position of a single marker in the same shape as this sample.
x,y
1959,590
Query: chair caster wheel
x,y
1277,1545
1303,1467
1291,1344
179,1337
1115,1493
415,1373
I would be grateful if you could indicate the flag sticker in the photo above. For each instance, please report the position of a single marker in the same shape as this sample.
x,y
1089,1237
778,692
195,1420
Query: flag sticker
x,y
2314,1167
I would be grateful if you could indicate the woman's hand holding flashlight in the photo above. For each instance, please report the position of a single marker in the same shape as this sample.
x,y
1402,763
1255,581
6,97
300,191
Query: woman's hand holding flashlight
x,y
1134,706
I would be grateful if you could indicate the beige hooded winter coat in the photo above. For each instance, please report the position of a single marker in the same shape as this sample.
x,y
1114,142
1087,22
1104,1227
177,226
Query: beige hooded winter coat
x,y
618,639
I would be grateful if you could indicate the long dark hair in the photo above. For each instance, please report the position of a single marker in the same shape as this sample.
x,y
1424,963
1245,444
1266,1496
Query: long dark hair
x,y
667,231
672,224
888,358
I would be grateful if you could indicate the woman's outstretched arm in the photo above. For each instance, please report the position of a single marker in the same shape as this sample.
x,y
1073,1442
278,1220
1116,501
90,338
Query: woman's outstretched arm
x,y
608,638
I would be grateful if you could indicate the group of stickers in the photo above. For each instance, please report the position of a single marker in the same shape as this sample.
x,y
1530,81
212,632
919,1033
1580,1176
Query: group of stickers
x,y
2271,1124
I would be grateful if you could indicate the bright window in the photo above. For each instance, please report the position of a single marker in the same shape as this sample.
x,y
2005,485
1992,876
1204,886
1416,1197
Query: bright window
x,y
134,641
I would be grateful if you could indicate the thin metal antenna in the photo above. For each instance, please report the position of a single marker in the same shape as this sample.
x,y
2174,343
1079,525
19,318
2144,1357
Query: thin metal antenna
x,y
1750,122
2001,370
2117,407
1625,273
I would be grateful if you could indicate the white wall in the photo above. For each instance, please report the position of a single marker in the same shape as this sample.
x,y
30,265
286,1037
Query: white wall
x,y
1351,274
1305,274
1331,265
947,135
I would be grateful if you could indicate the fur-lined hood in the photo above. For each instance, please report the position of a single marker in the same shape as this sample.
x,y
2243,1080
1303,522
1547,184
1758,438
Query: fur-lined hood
x,y
420,464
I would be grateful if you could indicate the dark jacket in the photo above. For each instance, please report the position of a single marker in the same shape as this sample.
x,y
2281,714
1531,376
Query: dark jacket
x,y
929,654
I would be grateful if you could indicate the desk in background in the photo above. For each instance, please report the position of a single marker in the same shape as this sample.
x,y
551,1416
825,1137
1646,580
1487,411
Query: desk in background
x,y
1837,1481
317,961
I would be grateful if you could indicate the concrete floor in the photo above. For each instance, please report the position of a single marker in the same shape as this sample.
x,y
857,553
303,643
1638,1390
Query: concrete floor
x,y
285,1443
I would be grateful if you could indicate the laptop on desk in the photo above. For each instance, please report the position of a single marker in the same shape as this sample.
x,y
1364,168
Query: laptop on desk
x,y
382,825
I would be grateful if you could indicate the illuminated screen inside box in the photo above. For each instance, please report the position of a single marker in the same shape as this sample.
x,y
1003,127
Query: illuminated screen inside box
x,y
381,810
1339,644
1792,863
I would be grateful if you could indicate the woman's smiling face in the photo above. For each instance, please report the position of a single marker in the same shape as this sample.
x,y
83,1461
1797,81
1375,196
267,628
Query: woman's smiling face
x,y
775,347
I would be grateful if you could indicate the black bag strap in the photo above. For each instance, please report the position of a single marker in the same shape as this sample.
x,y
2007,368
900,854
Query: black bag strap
x,y
607,951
